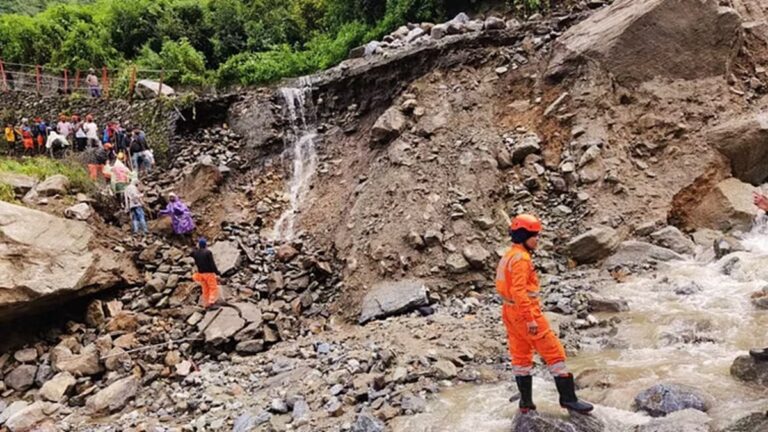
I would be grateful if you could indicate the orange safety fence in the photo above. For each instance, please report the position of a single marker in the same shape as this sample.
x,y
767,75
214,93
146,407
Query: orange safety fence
x,y
47,81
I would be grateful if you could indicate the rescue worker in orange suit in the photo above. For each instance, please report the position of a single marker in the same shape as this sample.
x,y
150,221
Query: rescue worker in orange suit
x,y
206,273
527,328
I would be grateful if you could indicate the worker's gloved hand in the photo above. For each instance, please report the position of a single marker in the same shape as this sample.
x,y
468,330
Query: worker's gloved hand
x,y
533,328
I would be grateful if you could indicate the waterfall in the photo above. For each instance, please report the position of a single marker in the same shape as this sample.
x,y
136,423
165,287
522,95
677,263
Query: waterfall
x,y
302,151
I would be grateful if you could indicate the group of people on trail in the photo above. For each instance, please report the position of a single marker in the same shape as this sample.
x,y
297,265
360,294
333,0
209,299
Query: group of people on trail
x,y
104,144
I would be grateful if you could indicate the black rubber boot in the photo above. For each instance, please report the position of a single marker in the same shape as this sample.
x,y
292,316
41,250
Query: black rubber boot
x,y
568,400
525,386
759,354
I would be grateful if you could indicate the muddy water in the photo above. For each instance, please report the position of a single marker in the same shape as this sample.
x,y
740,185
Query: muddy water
x,y
666,337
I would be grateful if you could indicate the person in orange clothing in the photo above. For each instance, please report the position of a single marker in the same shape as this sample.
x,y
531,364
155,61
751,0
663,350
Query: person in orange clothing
x,y
206,273
527,328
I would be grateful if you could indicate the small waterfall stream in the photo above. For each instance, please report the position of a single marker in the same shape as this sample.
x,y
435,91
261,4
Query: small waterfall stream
x,y
302,152
689,338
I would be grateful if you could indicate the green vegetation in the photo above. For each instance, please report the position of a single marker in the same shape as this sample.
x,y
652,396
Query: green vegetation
x,y
208,42
41,167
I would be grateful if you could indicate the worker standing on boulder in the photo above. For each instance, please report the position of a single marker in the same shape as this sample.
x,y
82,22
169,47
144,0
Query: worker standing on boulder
x,y
527,328
206,273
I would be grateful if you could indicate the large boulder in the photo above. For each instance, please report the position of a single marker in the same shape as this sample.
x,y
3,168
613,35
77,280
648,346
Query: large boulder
x,y
227,256
220,325
25,419
636,253
54,185
388,126
638,40
54,389
21,378
114,397
391,298
45,260
662,399
20,183
744,140
672,238
535,422
728,205
593,245
747,369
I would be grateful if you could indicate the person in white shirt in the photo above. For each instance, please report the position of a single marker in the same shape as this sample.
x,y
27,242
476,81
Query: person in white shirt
x,y
64,127
91,132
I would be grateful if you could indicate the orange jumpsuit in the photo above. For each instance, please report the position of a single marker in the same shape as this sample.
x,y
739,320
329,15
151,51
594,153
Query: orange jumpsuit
x,y
210,287
518,285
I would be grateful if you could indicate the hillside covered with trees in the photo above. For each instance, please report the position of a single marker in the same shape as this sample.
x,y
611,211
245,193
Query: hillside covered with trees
x,y
207,42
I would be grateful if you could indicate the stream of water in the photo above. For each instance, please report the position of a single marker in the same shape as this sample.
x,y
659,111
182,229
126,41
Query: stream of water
x,y
667,337
302,153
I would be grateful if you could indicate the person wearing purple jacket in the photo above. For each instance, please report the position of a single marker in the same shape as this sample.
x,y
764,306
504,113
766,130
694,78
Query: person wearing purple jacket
x,y
181,217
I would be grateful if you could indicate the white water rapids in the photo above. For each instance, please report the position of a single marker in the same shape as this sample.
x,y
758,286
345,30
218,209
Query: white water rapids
x,y
303,154
657,333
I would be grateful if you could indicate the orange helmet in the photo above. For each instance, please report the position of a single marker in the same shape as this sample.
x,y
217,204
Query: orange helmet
x,y
527,222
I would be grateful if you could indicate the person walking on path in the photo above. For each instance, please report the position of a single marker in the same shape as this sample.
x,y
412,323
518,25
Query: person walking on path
x,y
134,204
527,328
207,273
10,138
181,217
93,83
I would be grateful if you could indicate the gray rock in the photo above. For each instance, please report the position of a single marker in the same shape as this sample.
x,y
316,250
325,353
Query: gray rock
x,y
301,412
662,399
253,346
445,369
752,423
20,183
742,140
21,378
11,410
457,263
56,388
726,245
706,237
433,237
391,298
528,144
227,256
357,52
26,418
633,253
114,397
672,238
495,23
439,31
688,420
599,303
220,325
333,407
371,48
413,404
278,406
248,421
388,126
747,369
80,211
476,256
36,244
54,185
414,34
27,355
366,422
535,422
594,245
83,364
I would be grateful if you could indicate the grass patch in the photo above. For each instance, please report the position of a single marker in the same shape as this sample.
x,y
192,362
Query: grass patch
x,y
6,193
41,167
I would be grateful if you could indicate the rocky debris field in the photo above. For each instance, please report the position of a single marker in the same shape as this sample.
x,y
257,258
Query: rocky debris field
x,y
386,297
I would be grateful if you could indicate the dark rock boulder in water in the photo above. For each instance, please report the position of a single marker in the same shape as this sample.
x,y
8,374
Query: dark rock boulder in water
x,y
662,399
535,422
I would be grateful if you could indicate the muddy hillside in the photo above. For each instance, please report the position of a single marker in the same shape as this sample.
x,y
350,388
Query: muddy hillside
x,y
357,217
